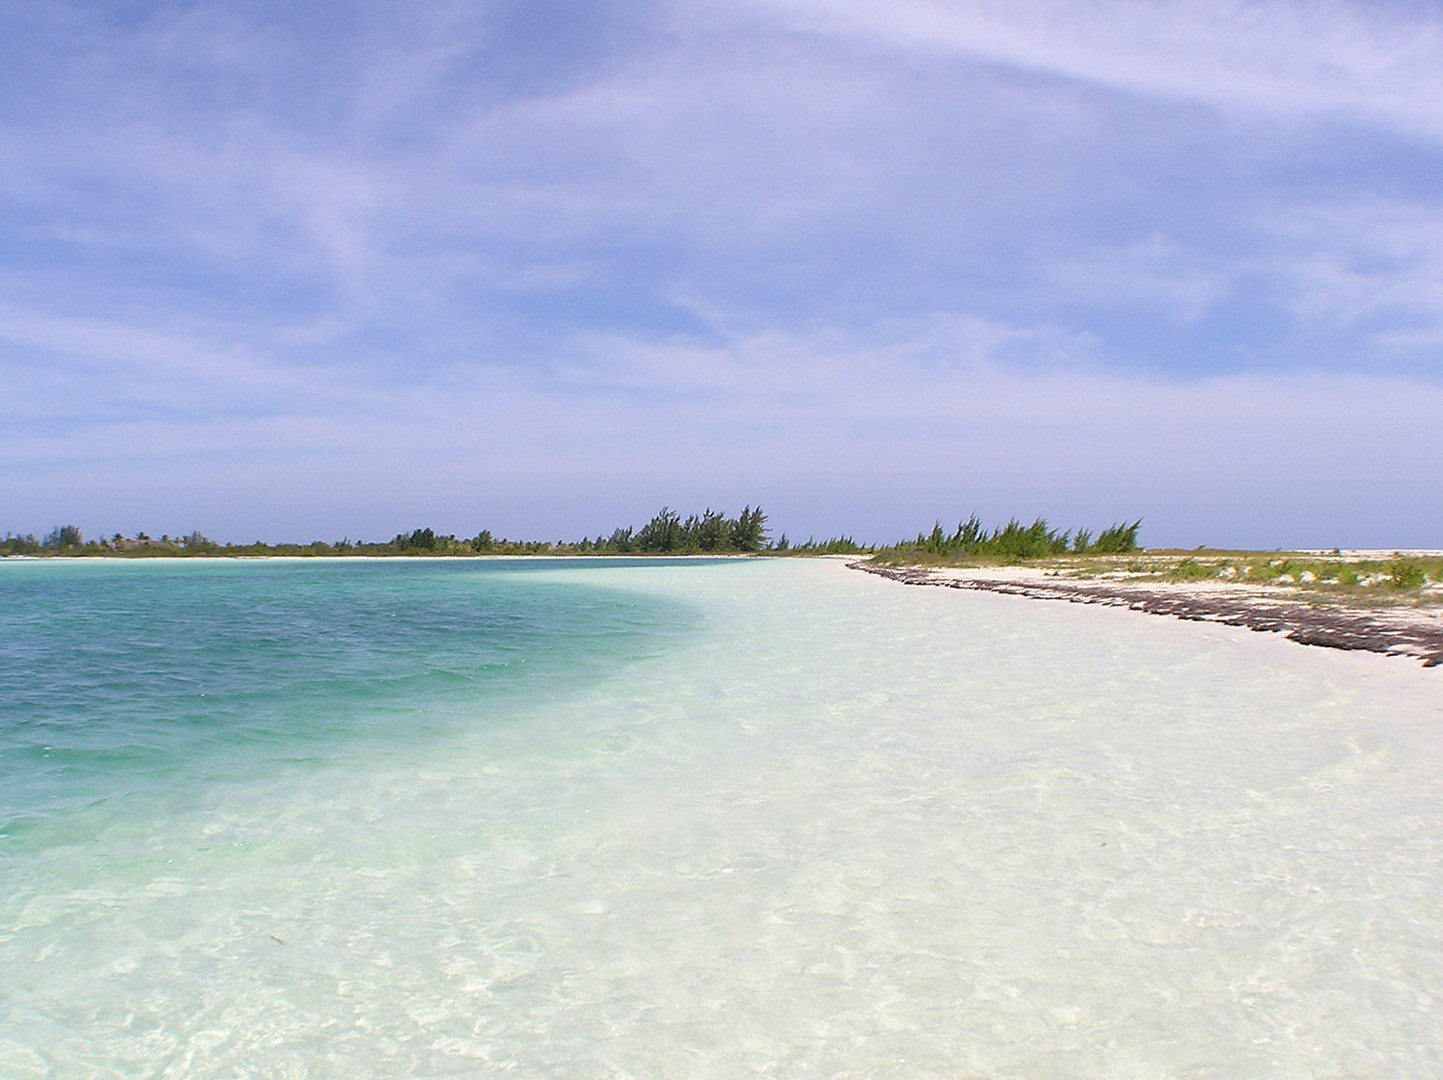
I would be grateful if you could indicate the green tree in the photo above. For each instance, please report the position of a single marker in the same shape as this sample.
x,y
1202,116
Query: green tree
x,y
1117,539
749,531
663,533
420,540
63,538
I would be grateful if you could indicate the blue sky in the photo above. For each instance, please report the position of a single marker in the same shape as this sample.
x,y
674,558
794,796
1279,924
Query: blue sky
x,y
302,271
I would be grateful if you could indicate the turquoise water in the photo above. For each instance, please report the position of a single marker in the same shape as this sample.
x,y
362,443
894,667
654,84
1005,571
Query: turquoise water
x,y
123,679
702,819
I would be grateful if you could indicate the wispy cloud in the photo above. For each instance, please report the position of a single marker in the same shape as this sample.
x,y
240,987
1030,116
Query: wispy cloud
x,y
1379,60
828,431
1011,242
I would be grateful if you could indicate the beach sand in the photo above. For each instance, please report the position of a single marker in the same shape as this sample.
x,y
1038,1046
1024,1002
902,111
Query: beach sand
x,y
1392,629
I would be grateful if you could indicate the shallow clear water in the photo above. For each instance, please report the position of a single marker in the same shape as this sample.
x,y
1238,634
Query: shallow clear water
x,y
586,819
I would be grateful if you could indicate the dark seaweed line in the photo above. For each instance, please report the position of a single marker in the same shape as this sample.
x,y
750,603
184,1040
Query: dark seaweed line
x,y
1330,628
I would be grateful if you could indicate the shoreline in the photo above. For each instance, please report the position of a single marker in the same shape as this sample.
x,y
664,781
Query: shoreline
x,y
170,558
1416,633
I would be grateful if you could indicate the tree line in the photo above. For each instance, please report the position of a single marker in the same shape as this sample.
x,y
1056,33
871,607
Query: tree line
x,y
1015,541
667,533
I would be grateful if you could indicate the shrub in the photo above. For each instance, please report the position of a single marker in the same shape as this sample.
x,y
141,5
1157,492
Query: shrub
x,y
1015,541
1118,539
1406,574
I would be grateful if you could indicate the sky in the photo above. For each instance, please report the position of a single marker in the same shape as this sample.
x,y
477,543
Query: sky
x,y
296,271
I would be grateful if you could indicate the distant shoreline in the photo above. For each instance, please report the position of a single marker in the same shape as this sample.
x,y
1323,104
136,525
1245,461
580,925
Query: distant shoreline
x,y
1393,629
168,557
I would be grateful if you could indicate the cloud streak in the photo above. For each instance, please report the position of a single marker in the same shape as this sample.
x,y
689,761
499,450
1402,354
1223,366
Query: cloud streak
x,y
498,261
1379,61
830,433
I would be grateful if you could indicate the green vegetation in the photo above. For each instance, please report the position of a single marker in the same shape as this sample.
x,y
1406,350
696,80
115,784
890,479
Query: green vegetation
x,y
665,534
1405,574
62,540
1191,570
1323,576
837,545
1114,553
668,534
1010,543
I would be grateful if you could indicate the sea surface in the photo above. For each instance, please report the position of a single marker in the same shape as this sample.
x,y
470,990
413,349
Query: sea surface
x,y
689,818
